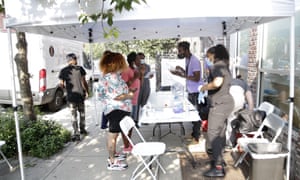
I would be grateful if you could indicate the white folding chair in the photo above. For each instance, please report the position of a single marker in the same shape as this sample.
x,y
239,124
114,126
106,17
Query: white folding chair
x,y
147,152
267,107
272,122
4,157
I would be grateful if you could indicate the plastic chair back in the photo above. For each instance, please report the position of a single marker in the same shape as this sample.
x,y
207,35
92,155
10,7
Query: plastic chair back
x,y
267,107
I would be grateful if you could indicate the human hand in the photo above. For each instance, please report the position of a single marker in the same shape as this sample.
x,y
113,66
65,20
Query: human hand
x,y
119,97
200,88
133,90
178,68
201,97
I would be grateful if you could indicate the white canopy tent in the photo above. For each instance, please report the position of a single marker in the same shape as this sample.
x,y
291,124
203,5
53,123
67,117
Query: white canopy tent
x,y
154,20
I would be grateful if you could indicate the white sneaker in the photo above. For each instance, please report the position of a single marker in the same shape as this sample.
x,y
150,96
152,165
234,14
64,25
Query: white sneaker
x,y
117,165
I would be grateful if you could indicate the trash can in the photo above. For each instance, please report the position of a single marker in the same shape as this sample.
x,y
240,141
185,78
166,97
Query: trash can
x,y
267,161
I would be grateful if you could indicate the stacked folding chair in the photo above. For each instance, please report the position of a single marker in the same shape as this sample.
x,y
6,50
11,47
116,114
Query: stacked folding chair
x,y
273,123
3,156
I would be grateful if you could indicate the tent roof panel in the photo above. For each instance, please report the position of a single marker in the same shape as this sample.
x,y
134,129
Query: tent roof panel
x,y
154,20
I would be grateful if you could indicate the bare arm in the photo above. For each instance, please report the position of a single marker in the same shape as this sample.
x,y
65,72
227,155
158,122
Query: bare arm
x,y
122,97
216,83
85,86
62,83
179,71
249,99
195,77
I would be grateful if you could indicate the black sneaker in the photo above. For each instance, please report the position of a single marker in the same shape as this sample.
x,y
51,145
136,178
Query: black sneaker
x,y
215,172
84,132
76,137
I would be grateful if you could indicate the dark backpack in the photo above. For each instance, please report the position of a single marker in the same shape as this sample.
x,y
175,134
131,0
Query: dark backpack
x,y
248,121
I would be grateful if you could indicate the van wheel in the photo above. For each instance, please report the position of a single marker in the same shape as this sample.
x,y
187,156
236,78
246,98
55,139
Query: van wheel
x,y
57,102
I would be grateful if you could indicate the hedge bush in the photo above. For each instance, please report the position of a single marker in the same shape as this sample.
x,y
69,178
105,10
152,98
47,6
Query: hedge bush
x,y
41,138
8,133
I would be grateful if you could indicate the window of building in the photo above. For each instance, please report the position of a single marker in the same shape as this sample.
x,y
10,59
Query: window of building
x,y
275,66
243,48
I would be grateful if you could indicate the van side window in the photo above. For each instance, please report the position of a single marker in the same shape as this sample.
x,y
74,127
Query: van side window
x,y
86,61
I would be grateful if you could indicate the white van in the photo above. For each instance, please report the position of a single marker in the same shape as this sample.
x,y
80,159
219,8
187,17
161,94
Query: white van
x,y
46,57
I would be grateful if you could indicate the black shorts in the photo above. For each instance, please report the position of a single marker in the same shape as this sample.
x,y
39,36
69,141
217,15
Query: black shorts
x,y
114,119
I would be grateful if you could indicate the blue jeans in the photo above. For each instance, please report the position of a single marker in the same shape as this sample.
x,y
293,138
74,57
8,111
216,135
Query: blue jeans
x,y
134,113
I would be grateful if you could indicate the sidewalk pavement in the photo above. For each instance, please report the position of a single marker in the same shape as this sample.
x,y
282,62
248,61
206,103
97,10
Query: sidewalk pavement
x,y
87,160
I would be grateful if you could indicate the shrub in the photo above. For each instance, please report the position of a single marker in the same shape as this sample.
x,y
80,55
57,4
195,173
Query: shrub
x,y
8,133
41,138
44,138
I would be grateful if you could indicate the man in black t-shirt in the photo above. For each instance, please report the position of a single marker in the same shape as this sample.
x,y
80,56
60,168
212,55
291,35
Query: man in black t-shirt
x,y
72,77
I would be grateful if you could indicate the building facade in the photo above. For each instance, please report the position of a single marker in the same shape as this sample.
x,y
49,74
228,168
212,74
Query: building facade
x,y
262,56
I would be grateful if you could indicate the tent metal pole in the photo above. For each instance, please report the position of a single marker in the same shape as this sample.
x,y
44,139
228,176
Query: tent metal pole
x,y
96,119
15,107
93,71
236,42
291,98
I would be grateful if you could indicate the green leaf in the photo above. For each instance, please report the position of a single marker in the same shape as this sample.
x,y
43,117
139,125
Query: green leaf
x,y
94,17
128,5
110,20
115,32
106,35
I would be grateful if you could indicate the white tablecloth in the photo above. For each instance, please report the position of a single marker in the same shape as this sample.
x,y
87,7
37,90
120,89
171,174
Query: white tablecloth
x,y
160,110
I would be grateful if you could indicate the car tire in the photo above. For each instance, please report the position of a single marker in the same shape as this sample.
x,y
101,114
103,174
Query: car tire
x,y
57,102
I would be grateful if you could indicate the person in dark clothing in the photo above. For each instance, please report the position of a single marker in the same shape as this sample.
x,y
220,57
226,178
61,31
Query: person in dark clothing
x,y
145,85
145,76
221,105
72,77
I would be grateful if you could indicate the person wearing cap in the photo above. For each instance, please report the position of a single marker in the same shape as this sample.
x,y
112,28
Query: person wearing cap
x,y
72,78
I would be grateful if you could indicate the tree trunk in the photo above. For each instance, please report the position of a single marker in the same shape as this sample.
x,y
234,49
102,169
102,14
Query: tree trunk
x,y
23,75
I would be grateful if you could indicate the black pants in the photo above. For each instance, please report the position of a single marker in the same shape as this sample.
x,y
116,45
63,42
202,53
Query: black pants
x,y
114,119
217,120
193,98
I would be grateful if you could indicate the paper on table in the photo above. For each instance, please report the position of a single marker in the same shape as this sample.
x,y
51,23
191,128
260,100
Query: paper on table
x,y
150,73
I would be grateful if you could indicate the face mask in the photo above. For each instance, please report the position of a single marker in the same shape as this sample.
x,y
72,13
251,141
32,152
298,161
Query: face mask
x,y
180,56
134,66
142,61
209,63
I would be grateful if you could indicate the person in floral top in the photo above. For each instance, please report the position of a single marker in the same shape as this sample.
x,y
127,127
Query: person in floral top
x,y
114,93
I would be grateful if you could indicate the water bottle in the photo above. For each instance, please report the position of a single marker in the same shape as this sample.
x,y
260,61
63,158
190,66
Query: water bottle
x,y
178,104
178,95
177,89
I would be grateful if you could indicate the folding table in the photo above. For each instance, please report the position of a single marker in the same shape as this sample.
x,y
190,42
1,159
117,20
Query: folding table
x,y
159,111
